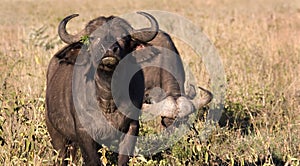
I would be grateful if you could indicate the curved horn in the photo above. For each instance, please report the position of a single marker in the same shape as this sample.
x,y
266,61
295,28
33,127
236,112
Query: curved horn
x,y
64,35
199,103
146,34
164,108
180,108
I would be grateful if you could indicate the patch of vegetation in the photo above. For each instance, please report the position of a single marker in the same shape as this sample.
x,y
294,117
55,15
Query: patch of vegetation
x,y
258,44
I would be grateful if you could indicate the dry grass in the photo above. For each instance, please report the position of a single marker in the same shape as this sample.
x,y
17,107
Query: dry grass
x,y
259,45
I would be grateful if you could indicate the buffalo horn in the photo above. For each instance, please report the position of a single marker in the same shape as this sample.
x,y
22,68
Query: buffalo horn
x,y
146,34
64,35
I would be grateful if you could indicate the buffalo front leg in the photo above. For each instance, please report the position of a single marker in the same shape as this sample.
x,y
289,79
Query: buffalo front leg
x,y
59,143
127,144
89,149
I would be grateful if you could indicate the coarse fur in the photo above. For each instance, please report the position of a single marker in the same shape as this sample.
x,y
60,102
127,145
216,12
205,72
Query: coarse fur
x,y
66,129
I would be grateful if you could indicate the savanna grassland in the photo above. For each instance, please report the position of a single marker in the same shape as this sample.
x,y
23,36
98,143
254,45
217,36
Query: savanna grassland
x,y
258,43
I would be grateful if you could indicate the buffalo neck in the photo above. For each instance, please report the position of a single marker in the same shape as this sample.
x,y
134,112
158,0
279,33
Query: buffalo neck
x,y
103,90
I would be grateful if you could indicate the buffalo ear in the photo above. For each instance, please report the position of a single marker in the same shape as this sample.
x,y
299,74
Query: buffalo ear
x,y
145,52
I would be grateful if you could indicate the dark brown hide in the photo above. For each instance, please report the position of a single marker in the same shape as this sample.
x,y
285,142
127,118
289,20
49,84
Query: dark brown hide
x,y
63,122
162,51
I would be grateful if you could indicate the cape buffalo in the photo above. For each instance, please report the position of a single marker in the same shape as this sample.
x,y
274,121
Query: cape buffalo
x,y
164,90
93,64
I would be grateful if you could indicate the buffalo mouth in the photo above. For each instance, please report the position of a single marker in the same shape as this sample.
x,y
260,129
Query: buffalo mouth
x,y
108,63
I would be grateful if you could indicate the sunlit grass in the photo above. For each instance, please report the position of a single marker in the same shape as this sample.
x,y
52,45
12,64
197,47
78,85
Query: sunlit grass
x,y
258,43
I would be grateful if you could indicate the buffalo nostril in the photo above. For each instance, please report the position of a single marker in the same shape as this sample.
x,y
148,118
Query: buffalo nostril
x,y
113,49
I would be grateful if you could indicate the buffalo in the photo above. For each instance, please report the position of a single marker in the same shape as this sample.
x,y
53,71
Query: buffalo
x,y
164,74
158,87
95,63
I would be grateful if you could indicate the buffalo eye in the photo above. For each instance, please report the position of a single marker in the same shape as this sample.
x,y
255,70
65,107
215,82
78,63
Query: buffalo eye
x,y
125,41
91,38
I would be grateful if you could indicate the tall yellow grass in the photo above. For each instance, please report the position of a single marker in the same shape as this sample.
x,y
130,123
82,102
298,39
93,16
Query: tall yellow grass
x,y
258,42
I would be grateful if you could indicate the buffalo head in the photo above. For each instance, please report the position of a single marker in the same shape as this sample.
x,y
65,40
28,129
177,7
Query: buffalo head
x,y
111,38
